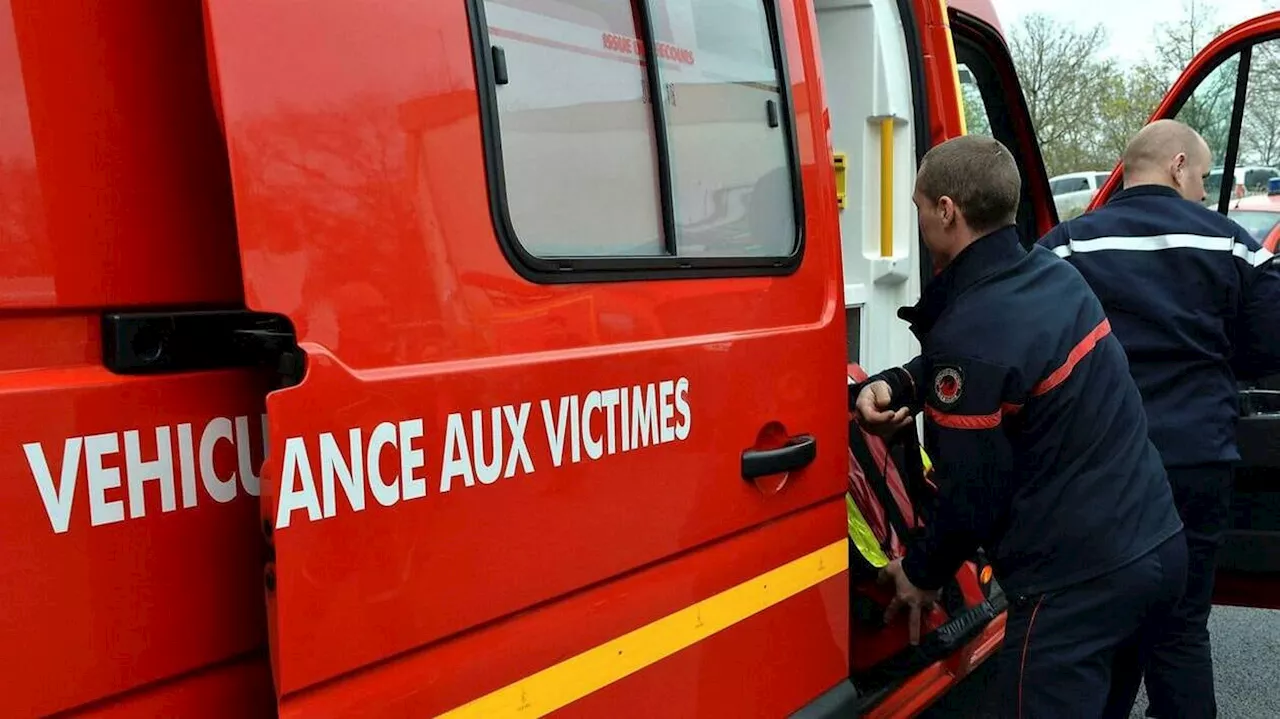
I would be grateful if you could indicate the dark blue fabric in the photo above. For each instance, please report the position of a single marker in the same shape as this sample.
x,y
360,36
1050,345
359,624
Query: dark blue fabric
x,y
1179,663
1059,484
1194,300
1077,652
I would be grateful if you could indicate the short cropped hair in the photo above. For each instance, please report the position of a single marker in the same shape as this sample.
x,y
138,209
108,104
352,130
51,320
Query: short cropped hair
x,y
1155,146
979,174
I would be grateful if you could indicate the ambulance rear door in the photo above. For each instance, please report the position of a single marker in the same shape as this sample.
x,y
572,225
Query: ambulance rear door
x,y
1229,95
571,427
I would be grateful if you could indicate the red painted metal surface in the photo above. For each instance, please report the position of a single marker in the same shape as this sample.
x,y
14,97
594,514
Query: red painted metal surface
x,y
114,183
240,687
122,604
1240,589
115,193
363,215
475,663
946,113
785,643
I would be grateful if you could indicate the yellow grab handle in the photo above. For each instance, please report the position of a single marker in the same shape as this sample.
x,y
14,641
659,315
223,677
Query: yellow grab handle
x,y
886,187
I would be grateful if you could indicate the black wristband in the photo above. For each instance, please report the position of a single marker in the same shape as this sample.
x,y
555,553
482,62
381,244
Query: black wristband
x,y
902,390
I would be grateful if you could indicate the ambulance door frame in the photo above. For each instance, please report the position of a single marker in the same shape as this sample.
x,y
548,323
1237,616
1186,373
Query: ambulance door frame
x,y
843,699
1210,58
1037,213
920,110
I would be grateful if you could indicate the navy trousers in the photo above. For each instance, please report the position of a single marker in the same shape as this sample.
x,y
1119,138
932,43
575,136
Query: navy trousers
x,y
1179,671
1078,651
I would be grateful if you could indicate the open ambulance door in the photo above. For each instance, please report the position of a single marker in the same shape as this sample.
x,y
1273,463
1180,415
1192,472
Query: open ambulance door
x,y
561,443
993,104
1228,94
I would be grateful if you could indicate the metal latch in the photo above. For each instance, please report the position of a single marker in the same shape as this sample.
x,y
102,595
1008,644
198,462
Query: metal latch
x,y
156,342
840,161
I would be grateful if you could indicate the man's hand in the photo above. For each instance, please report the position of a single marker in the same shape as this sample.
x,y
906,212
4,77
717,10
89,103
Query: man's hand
x,y
873,410
907,595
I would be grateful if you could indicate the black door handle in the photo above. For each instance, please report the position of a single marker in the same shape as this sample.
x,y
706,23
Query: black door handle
x,y
798,453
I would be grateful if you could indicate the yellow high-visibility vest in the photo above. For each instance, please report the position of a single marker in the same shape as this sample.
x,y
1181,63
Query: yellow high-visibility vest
x,y
860,532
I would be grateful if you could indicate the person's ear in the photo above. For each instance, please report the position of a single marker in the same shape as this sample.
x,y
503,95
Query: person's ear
x,y
947,211
1179,166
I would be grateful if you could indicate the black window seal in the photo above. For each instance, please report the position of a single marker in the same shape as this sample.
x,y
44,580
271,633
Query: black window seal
x,y
1228,184
609,269
920,101
973,36
658,111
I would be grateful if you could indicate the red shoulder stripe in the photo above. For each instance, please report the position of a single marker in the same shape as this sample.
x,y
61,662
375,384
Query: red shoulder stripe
x,y
1077,355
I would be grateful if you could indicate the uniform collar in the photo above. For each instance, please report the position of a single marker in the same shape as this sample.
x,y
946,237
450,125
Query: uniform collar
x,y
1144,191
986,256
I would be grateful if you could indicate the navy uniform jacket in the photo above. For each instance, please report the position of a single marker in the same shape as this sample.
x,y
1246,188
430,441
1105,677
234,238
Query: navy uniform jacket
x,y
1035,427
1194,300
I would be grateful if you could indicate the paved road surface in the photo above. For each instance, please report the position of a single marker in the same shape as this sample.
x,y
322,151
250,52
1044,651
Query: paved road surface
x,y
1246,648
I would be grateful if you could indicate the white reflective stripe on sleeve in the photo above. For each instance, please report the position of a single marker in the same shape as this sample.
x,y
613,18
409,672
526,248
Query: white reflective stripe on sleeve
x,y
1253,257
1165,242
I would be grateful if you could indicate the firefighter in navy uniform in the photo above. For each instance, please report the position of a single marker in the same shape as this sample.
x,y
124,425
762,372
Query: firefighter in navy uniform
x,y
1195,301
1040,444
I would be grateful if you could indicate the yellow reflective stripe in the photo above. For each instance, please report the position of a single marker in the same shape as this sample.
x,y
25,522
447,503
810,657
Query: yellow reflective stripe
x,y
863,538
578,676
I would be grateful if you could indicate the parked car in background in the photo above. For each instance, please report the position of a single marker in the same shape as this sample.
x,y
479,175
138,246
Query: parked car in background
x,y
1250,180
1073,191
1077,182
1260,214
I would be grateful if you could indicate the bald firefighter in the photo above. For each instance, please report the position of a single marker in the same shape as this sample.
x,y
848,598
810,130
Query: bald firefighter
x,y
1195,301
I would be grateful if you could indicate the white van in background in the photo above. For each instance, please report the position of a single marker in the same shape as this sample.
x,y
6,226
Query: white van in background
x,y
1073,191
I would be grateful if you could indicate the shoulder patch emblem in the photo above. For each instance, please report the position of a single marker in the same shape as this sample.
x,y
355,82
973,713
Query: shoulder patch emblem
x,y
948,383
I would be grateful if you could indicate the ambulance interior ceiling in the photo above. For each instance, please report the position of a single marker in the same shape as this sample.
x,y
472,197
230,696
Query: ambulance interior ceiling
x,y
867,77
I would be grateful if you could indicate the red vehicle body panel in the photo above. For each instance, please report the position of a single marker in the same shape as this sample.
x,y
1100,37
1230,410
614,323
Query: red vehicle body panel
x,y
363,214
325,161
1262,204
116,194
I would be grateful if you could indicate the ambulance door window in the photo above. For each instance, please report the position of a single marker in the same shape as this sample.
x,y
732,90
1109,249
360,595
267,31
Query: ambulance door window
x,y
1209,111
1258,160
975,110
1243,136
577,149
985,99
729,141
1235,109
603,161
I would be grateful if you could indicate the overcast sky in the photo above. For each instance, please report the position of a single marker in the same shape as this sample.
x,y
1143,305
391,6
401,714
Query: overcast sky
x,y
1130,24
